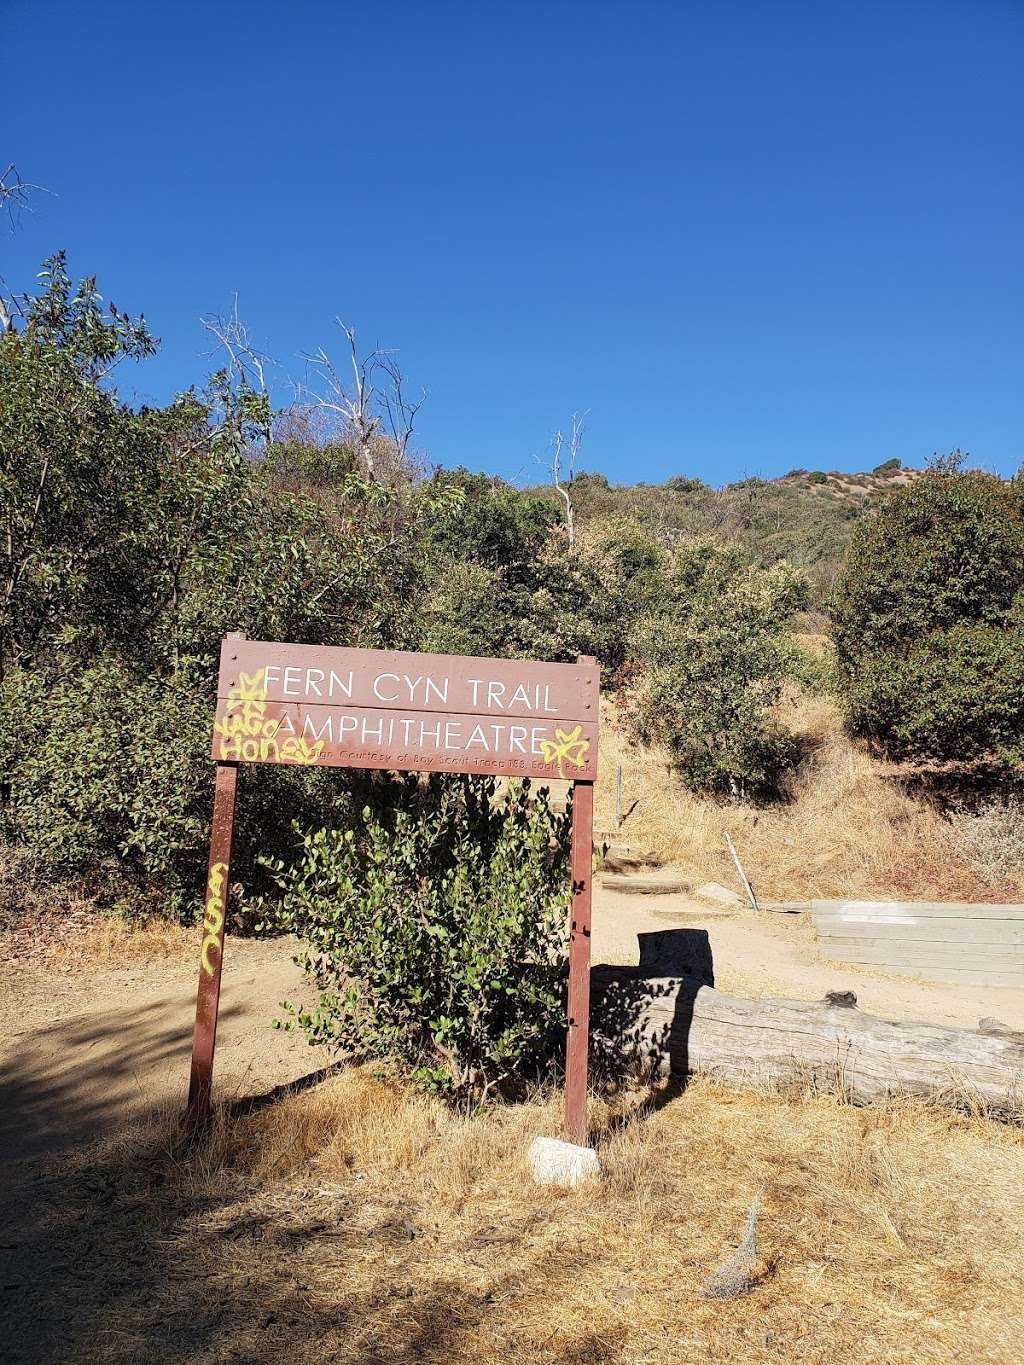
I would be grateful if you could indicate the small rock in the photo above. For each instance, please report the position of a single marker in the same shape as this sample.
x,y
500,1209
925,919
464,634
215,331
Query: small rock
x,y
841,999
554,1162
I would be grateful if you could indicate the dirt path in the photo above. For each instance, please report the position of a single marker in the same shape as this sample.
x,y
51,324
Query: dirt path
x,y
775,955
87,1052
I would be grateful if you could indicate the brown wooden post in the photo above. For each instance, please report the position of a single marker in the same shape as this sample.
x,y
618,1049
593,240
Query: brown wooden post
x,y
578,1039
211,951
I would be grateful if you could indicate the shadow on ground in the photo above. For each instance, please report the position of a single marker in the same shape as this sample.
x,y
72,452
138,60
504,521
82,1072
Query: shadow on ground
x,y
84,1077
107,1256
113,1259
675,964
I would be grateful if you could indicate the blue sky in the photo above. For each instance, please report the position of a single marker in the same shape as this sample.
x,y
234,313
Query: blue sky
x,y
744,237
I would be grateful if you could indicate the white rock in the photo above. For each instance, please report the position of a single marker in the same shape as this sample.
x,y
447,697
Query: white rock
x,y
554,1162
717,894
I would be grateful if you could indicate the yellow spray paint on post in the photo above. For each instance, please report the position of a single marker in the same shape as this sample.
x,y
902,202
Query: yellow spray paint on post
x,y
213,915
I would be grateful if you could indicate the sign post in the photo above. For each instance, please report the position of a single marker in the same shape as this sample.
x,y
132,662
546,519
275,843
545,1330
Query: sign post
x,y
211,953
364,708
577,1043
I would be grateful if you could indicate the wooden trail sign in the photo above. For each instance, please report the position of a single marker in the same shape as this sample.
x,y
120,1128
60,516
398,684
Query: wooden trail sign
x,y
315,705
368,708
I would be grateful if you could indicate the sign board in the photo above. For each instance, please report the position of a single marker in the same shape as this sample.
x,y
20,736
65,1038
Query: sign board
x,y
367,708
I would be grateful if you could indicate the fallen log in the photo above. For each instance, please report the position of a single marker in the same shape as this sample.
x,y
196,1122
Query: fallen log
x,y
680,1025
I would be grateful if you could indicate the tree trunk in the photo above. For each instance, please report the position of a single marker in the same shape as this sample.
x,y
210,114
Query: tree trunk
x,y
680,1025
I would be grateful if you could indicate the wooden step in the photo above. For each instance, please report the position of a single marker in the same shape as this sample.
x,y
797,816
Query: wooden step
x,y
663,884
905,912
625,863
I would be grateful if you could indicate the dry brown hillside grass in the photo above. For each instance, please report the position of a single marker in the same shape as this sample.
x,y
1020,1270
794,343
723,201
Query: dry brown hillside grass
x,y
848,828
361,1222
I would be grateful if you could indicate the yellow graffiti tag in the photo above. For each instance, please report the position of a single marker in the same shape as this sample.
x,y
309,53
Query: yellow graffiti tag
x,y
248,735
213,915
565,748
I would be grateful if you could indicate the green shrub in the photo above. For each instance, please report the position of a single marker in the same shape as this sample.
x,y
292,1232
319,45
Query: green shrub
x,y
947,548
813,666
683,483
435,932
584,480
109,775
465,611
817,476
957,695
888,467
928,618
712,665
107,770
588,602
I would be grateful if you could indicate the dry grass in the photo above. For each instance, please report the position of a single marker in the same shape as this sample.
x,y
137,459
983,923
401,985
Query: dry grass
x,y
82,939
359,1222
849,828
56,925
106,938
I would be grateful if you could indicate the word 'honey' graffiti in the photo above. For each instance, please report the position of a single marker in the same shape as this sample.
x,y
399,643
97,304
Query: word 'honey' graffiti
x,y
248,735
213,915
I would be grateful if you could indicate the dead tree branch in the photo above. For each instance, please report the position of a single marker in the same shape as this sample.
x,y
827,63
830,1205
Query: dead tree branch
x,y
16,194
15,199
399,411
355,404
246,368
377,417
563,484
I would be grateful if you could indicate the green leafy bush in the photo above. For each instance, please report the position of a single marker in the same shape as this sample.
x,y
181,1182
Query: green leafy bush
x,y
712,664
929,620
435,932
109,776
813,665
76,472
587,601
957,695
682,483
465,612
502,580
106,772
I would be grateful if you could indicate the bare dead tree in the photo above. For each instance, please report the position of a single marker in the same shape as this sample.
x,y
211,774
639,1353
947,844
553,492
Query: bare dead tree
x,y
354,404
15,199
562,480
399,411
379,421
247,367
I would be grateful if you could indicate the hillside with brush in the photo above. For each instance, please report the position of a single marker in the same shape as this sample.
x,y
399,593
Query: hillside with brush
x,y
805,517
827,662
